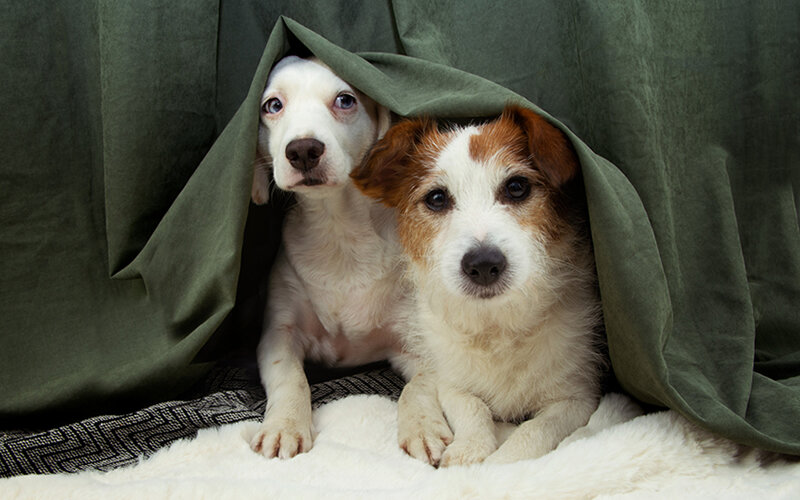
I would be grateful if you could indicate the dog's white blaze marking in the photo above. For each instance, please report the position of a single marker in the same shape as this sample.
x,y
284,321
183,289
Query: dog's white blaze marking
x,y
476,216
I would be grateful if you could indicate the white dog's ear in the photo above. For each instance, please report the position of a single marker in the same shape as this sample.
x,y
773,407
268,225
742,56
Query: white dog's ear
x,y
384,120
259,192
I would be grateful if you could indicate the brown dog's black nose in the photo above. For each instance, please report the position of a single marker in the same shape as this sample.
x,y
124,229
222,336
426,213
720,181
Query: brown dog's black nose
x,y
304,154
483,265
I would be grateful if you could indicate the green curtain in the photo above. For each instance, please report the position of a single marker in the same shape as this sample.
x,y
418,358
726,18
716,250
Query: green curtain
x,y
131,254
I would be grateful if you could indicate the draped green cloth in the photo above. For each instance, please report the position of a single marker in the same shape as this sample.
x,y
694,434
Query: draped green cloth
x,y
131,256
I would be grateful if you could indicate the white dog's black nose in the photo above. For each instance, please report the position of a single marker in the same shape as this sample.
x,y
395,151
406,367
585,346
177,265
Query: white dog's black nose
x,y
304,154
483,265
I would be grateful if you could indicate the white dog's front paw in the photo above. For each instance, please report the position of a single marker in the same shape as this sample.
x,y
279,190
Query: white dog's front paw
x,y
467,451
282,438
425,438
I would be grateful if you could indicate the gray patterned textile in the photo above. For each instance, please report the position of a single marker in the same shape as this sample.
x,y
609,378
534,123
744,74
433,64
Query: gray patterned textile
x,y
229,394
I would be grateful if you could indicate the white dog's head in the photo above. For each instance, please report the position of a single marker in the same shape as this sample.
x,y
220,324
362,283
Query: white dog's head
x,y
315,128
482,210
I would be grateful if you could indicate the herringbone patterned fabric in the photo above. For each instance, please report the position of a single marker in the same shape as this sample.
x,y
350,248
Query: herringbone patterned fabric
x,y
104,442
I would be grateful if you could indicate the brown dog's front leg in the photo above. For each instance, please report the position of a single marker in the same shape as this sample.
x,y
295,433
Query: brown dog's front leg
x,y
422,430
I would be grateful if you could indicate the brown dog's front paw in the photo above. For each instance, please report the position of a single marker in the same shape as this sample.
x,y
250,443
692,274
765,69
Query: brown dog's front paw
x,y
467,451
426,442
283,439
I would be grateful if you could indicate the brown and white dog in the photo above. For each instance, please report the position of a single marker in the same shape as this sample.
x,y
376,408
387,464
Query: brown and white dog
x,y
505,310
336,287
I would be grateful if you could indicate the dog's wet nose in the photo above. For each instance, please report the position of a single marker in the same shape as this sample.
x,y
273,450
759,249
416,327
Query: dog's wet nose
x,y
304,154
484,265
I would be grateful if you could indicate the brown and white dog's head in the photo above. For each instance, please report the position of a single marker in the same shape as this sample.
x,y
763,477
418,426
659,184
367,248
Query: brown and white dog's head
x,y
314,129
482,210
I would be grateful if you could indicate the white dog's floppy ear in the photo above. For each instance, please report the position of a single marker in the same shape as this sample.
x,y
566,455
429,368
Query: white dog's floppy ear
x,y
259,192
384,120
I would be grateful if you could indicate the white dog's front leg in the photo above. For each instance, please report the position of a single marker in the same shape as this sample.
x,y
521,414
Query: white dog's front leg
x,y
472,424
422,430
287,428
533,438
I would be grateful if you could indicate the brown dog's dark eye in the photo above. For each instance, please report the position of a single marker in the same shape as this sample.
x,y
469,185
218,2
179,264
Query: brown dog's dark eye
x,y
437,200
517,188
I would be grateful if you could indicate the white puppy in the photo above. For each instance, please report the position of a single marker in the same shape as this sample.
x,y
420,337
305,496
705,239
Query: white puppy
x,y
336,283
505,310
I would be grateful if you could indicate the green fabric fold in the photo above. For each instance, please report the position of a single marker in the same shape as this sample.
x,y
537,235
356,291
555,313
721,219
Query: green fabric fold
x,y
691,186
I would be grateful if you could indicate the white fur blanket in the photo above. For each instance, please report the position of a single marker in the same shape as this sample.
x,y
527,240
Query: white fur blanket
x,y
619,454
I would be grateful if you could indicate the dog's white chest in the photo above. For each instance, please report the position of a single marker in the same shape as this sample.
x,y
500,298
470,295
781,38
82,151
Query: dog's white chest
x,y
354,320
350,278
498,380
510,373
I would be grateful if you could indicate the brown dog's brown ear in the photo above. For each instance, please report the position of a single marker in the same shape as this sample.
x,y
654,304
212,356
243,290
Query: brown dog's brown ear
x,y
551,151
384,171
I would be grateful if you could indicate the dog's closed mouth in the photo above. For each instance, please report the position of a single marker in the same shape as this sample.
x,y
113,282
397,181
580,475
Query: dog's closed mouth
x,y
310,182
484,292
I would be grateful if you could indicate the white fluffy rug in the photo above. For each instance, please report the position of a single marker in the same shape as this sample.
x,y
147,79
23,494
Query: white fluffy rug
x,y
620,454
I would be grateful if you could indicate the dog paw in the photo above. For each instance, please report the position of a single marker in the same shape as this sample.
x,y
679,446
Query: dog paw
x,y
466,452
283,439
426,439
503,456
514,451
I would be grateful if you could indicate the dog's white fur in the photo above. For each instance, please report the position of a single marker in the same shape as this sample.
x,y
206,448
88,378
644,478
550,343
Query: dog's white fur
x,y
527,351
336,284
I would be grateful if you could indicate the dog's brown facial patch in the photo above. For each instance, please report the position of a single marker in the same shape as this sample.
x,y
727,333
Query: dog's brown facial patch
x,y
417,225
397,172
535,151
501,141
401,171
417,222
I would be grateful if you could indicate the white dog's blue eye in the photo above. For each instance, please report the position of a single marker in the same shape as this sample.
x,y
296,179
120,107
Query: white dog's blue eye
x,y
345,101
272,106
